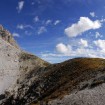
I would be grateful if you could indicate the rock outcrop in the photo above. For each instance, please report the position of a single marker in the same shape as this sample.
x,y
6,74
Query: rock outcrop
x,y
7,36
14,63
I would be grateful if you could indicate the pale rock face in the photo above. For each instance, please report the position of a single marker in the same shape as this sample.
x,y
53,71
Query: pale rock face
x,y
9,65
9,60
6,35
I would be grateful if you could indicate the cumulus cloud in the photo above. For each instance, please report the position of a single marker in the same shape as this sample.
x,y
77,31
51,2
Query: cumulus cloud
x,y
20,6
97,49
57,22
62,48
64,51
100,44
67,50
41,30
16,35
102,20
84,24
36,19
81,47
92,14
21,26
83,43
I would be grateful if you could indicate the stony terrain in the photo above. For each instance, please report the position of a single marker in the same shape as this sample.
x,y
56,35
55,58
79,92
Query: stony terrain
x,y
26,79
94,96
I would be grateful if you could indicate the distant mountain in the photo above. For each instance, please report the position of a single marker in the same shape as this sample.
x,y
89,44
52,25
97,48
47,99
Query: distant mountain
x,y
33,81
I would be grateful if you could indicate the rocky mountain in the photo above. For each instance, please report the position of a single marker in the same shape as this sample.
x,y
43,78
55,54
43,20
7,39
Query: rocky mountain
x,y
14,62
29,80
6,35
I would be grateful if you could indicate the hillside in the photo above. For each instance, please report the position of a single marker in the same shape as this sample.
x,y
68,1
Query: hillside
x,y
58,80
25,79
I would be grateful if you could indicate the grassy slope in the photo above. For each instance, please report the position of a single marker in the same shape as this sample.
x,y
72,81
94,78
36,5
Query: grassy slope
x,y
65,77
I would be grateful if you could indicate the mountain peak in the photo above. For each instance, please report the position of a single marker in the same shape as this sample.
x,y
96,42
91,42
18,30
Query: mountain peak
x,y
7,36
1,27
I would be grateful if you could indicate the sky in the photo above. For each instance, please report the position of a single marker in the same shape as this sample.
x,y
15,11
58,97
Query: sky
x,y
56,30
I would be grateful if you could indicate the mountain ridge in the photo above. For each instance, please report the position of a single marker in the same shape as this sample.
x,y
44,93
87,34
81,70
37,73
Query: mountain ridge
x,y
33,81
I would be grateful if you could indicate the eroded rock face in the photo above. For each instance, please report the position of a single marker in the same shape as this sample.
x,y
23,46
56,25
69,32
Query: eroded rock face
x,y
6,35
9,65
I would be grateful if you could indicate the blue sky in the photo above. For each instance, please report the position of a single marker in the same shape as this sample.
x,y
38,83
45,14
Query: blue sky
x,y
56,30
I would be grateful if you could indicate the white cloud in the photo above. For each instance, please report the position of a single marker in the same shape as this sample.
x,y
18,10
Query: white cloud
x,y
41,30
21,26
36,19
48,22
100,44
28,26
20,6
84,24
102,20
92,14
63,48
69,51
97,35
81,52
83,43
16,35
53,58
81,47
57,22
95,51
